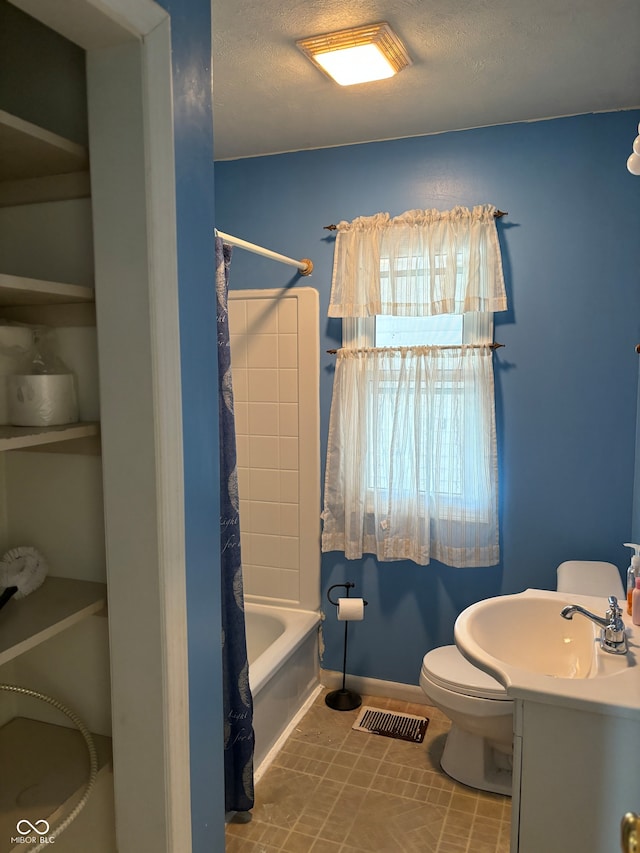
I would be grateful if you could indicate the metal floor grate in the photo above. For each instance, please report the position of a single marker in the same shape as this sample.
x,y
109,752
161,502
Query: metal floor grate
x,y
391,724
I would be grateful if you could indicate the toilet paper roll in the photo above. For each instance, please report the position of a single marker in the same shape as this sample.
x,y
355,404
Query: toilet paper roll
x,y
42,400
350,609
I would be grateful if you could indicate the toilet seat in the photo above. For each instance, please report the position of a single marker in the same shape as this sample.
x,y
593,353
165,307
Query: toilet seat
x,y
447,668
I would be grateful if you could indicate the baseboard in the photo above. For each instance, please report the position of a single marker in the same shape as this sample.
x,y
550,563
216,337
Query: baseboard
x,y
374,687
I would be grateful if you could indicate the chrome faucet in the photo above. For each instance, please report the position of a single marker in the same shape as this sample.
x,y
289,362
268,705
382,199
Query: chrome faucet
x,y
613,638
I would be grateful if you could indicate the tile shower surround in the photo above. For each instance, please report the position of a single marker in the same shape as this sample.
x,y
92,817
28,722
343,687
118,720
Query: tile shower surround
x,y
334,790
274,347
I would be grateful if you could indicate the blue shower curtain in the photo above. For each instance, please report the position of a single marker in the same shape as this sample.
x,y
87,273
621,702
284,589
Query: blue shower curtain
x,y
238,702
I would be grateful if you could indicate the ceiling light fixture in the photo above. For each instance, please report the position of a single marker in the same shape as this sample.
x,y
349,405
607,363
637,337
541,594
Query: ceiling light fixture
x,y
359,55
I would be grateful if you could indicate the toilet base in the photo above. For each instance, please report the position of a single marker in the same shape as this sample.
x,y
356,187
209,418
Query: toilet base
x,y
471,760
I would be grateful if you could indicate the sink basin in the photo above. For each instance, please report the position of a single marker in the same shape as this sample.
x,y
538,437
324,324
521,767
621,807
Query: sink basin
x,y
528,632
523,642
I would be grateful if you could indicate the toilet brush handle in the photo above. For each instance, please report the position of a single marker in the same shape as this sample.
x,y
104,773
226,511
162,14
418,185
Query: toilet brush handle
x,y
7,594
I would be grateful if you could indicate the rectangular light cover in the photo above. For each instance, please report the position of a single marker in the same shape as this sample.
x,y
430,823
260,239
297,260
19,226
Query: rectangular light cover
x,y
358,55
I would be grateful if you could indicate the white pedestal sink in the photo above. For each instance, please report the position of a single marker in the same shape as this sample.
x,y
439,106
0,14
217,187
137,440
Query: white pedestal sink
x,y
576,717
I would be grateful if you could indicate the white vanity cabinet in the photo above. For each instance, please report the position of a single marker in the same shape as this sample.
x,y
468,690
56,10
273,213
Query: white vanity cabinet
x,y
575,776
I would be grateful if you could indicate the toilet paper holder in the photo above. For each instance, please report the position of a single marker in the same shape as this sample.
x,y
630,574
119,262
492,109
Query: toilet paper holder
x,y
343,699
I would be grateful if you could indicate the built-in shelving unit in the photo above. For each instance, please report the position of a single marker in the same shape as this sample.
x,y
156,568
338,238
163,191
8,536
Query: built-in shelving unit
x,y
45,766
117,228
37,165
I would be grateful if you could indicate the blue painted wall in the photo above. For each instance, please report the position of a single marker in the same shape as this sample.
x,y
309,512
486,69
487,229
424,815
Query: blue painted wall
x,y
566,381
193,133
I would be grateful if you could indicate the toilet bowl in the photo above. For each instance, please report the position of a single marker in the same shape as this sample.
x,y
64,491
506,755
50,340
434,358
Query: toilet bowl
x,y
479,746
478,750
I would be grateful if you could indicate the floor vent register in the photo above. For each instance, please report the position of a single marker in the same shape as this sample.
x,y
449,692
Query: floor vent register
x,y
391,724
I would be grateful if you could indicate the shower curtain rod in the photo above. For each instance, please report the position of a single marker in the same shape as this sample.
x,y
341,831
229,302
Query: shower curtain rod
x,y
305,265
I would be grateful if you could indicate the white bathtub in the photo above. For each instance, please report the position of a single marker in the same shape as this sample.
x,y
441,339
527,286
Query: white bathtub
x,y
283,669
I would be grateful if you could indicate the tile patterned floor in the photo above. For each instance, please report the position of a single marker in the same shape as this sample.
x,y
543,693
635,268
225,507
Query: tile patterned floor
x,y
335,790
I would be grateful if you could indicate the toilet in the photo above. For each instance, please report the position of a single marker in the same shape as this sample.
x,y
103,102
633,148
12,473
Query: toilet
x,y
479,747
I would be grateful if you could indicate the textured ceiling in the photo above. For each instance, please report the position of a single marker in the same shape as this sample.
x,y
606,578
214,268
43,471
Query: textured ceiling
x,y
475,63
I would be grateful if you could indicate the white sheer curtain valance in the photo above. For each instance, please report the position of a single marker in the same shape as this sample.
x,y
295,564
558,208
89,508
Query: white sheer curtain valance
x,y
411,462
422,263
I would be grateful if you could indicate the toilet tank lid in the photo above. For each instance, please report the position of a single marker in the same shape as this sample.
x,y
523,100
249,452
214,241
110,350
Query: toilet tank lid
x,y
448,668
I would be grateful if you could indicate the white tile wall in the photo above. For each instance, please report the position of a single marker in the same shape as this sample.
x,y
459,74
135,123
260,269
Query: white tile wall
x,y
275,362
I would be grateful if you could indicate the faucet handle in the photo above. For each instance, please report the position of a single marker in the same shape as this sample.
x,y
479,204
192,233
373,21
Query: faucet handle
x,y
614,613
614,607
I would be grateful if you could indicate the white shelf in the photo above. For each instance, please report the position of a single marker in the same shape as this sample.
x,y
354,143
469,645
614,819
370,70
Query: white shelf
x,y
29,151
38,165
49,771
48,188
27,438
47,303
17,290
56,606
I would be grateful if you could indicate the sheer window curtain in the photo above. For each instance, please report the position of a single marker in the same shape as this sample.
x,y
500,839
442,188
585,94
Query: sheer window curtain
x,y
421,263
412,462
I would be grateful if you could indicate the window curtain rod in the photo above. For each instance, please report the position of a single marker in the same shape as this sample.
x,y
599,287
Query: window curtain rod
x,y
493,346
305,265
498,214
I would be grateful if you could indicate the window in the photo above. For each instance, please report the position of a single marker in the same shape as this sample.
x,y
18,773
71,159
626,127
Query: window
x,y
446,480
441,330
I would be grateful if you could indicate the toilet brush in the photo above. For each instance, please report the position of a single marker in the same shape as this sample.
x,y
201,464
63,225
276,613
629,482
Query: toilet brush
x,y
22,571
